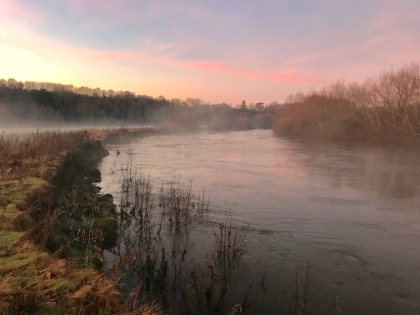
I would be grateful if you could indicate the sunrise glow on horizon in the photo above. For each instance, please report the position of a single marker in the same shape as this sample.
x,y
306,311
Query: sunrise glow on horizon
x,y
218,51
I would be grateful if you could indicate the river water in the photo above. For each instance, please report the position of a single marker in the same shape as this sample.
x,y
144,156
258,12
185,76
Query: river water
x,y
352,212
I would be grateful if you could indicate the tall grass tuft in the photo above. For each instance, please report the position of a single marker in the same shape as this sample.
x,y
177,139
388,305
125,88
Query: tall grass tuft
x,y
229,240
153,249
31,155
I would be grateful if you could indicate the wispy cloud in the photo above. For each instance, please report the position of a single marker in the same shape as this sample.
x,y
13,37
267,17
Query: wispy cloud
x,y
16,12
159,54
270,47
281,76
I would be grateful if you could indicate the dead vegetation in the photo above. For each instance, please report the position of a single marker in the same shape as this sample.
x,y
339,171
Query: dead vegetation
x,y
153,253
53,225
229,240
177,204
35,155
154,262
386,109
33,280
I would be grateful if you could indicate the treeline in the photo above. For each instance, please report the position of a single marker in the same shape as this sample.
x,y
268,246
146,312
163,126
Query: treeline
x,y
384,109
42,105
19,103
57,87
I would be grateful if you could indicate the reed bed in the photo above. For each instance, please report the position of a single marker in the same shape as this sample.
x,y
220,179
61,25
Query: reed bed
x,y
176,201
155,265
154,246
33,155
180,205
229,240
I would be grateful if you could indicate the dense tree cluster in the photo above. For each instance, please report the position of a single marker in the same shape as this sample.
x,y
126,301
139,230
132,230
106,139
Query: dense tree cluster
x,y
49,102
386,108
23,104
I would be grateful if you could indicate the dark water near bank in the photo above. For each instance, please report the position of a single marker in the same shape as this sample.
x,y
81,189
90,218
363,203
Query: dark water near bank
x,y
352,212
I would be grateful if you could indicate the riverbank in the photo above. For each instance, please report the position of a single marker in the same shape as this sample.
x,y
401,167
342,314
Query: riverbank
x,y
382,110
320,118
43,276
54,225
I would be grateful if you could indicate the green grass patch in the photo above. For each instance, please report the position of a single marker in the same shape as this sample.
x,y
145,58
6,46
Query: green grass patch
x,y
10,238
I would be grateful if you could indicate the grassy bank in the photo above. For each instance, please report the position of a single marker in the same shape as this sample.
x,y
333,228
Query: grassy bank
x,y
385,109
54,226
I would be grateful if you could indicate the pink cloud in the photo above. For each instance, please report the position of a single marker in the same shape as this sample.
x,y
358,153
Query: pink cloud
x,y
160,54
92,56
113,61
49,47
284,76
290,76
112,55
217,67
14,11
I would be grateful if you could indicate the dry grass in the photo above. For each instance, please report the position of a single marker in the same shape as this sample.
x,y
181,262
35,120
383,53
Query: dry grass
x,y
229,240
35,155
154,247
177,201
145,309
32,279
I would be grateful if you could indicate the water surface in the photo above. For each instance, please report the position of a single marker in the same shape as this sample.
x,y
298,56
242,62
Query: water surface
x,y
353,212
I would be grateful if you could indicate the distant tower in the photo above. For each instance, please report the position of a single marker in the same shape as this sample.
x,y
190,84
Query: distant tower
x,y
243,105
259,106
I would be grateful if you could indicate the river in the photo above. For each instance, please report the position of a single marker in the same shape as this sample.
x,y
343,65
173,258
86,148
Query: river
x,y
352,212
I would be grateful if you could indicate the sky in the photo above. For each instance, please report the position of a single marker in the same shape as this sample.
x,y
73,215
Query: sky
x,y
215,50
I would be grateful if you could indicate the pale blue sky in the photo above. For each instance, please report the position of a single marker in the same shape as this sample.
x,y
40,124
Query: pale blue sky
x,y
218,50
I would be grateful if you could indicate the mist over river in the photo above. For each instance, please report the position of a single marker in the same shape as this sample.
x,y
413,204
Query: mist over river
x,y
352,212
